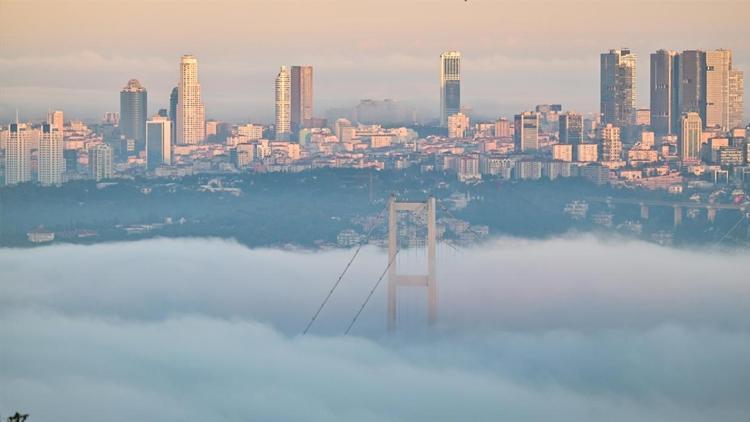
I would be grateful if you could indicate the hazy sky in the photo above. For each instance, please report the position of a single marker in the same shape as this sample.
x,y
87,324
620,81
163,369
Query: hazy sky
x,y
77,55
201,329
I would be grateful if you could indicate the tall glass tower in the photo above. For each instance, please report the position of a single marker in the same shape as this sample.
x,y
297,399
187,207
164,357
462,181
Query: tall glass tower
x,y
302,96
665,83
133,109
618,88
450,85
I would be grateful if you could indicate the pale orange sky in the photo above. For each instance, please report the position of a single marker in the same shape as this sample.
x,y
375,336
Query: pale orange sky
x,y
76,55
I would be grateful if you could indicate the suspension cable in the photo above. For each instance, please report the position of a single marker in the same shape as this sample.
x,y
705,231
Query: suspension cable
x,y
372,291
341,276
742,218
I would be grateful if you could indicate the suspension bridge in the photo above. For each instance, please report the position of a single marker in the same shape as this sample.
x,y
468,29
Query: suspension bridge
x,y
427,209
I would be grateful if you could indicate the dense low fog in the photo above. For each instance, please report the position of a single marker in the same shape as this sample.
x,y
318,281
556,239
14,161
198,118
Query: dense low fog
x,y
575,328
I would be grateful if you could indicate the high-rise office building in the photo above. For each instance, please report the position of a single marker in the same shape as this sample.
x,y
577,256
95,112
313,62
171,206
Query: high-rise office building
x,y
571,128
191,115
611,143
57,120
736,99
718,65
17,155
691,128
158,142
302,97
133,105
692,76
283,105
450,85
618,93
664,92
51,160
173,99
100,162
526,135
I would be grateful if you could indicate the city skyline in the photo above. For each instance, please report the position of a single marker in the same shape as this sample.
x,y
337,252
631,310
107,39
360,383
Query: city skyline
x,y
504,70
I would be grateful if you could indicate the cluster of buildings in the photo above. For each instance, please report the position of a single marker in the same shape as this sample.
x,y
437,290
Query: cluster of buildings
x,y
694,128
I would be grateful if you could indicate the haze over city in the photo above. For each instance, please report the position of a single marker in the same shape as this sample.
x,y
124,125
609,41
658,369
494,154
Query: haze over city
x,y
513,58
330,210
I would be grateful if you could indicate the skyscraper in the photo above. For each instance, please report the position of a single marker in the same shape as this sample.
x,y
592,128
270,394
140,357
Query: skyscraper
x,y
611,150
718,65
51,161
526,135
618,93
133,104
158,142
100,162
450,85
283,105
302,96
692,75
173,99
57,120
664,92
736,101
690,137
17,156
191,117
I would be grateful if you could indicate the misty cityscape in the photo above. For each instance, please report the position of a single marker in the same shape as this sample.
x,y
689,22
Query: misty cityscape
x,y
344,242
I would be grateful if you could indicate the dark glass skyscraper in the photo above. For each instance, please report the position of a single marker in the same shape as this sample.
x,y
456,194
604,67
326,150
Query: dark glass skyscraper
x,y
618,88
571,129
450,85
665,81
173,98
692,91
133,112
302,97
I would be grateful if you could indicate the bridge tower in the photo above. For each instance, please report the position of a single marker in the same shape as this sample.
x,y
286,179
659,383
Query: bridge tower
x,y
396,280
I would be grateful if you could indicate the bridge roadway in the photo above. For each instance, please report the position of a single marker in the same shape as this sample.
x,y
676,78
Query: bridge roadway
x,y
678,206
661,203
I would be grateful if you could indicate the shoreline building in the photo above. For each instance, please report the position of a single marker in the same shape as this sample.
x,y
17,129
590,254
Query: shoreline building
x,y
283,105
617,89
133,108
665,82
450,85
51,160
191,117
301,97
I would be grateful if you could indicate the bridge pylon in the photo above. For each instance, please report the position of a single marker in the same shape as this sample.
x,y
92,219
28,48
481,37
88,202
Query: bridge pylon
x,y
396,280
